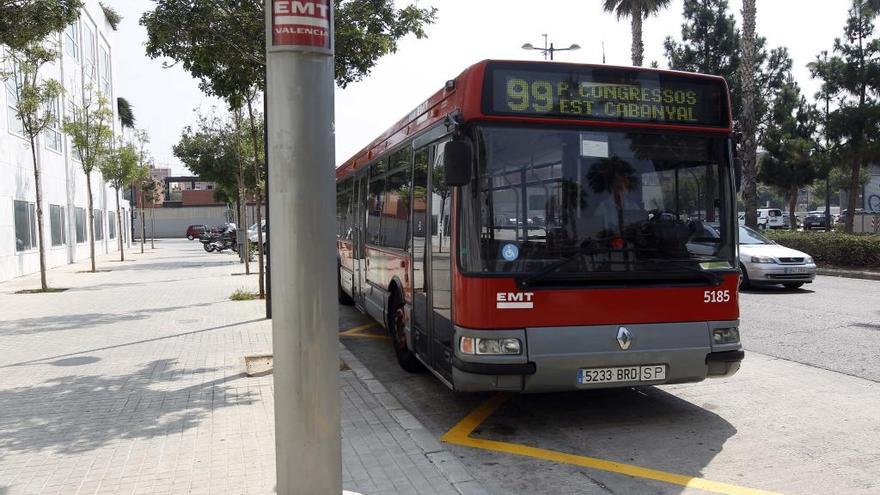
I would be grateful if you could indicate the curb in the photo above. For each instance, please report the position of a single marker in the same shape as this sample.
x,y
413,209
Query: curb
x,y
848,274
451,468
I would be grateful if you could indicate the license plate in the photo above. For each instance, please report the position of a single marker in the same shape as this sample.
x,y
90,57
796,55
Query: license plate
x,y
650,373
796,270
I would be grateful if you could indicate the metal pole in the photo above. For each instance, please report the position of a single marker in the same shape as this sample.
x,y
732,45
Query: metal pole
x,y
551,51
301,179
266,199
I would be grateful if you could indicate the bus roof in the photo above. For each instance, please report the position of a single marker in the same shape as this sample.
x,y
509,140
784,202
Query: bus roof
x,y
469,97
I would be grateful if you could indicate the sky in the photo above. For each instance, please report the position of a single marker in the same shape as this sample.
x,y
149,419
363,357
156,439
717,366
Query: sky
x,y
166,100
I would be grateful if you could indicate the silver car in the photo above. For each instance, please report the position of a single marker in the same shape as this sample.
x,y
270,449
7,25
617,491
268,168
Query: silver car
x,y
763,262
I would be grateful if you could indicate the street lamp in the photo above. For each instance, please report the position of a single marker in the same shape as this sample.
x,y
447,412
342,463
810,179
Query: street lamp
x,y
549,50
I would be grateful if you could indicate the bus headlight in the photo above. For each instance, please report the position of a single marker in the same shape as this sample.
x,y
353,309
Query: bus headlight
x,y
489,347
725,335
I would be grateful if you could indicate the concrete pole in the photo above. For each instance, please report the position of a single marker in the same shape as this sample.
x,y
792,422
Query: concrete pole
x,y
301,180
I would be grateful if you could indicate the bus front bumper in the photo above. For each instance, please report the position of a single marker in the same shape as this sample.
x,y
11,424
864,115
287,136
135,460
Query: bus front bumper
x,y
555,359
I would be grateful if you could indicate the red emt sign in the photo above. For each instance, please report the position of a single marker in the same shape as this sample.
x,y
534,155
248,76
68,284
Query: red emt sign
x,y
302,24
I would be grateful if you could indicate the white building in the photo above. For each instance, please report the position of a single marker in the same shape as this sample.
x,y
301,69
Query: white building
x,y
86,54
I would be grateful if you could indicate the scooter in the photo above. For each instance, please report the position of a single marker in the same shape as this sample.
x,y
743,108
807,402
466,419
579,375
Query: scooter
x,y
219,242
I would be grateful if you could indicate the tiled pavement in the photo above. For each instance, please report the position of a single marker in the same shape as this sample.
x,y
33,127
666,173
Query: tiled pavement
x,y
131,382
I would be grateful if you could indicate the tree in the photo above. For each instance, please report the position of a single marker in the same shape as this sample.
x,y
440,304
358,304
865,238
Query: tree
x,y
126,113
119,170
111,15
637,11
223,45
23,23
35,103
853,77
142,139
151,190
748,123
789,164
25,29
91,132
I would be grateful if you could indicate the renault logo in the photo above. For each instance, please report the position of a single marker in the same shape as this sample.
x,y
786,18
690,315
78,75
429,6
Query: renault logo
x,y
624,338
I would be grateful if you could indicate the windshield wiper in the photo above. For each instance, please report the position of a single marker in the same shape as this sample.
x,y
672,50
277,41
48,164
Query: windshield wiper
x,y
714,277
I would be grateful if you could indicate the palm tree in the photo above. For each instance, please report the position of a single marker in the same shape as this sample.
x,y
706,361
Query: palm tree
x,y
126,114
747,117
636,10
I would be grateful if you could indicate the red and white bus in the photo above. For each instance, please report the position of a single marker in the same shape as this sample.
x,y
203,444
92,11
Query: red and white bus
x,y
541,226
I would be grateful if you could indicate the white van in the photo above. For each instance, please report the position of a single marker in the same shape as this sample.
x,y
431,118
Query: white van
x,y
770,218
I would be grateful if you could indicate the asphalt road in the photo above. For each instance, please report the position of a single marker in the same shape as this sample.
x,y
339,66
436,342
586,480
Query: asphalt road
x,y
801,416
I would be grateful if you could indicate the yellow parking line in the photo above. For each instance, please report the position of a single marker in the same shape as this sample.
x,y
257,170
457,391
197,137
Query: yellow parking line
x,y
460,435
359,332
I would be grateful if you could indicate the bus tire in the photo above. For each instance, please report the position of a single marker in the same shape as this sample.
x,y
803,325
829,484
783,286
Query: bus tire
x,y
344,298
396,326
744,282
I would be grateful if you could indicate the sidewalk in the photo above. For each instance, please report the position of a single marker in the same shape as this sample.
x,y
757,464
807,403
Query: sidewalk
x,y
132,382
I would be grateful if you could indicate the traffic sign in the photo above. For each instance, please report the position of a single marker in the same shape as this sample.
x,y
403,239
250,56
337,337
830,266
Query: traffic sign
x,y
302,25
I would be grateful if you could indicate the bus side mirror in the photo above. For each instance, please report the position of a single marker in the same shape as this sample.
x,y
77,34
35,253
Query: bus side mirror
x,y
738,172
457,159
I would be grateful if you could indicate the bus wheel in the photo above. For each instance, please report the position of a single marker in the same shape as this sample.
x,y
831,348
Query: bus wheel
x,y
396,326
344,298
744,277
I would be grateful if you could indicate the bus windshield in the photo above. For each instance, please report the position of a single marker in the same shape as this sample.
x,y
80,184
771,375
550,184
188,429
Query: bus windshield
x,y
569,203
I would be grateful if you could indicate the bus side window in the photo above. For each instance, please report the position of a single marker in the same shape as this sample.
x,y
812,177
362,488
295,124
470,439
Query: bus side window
x,y
375,202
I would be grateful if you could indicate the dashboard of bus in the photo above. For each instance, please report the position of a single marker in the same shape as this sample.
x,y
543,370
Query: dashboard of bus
x,y
585,205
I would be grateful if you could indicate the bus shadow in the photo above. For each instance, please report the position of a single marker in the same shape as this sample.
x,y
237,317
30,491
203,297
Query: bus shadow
x,y
646,427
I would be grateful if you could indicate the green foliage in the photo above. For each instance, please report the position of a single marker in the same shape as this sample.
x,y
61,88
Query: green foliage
x,y
24,23
242,294
789,141
126,113
852,78
834,248
111,15
32,97
223,44
120,168
90,129
636,10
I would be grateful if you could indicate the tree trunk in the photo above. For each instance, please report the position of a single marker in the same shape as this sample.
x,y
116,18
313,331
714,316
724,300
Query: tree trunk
x,y
242,221
852,195
748,119
257,175
792,204
152,227
91,221
39,194
637,46
120,228
143,223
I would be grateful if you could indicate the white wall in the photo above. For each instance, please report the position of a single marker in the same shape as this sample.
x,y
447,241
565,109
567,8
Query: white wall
x,y
63,181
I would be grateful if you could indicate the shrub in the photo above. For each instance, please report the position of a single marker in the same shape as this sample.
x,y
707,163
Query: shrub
x,y
242,294
833,248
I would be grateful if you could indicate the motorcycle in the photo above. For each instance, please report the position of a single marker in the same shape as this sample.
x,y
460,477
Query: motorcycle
x,y
212,242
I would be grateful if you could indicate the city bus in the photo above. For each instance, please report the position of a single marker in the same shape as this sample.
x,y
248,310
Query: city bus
x,y
544,226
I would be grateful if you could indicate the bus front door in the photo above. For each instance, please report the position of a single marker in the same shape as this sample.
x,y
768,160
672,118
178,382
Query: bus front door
x,y
432,328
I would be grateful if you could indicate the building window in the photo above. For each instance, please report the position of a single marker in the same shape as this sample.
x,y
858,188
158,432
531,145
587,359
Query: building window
x,y
99,225
53,133
105,72
25,230
57,223
72,41
88,55
14,123
80,225
111,224
72,109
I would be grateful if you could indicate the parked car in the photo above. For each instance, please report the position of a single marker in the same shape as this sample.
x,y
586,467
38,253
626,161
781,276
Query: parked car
x,y
195,231
815,220
770,218
763,262
252,235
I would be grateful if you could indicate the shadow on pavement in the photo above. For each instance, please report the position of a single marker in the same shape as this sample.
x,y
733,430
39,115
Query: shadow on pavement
x,y
78,413
56,323
88,351
773,290
174,266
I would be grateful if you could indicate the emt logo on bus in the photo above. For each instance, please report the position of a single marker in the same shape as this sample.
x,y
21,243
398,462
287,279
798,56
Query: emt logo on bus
x,y
514,300
301,23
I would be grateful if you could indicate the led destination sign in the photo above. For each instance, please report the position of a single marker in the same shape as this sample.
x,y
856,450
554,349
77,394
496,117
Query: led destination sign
x,y
606,94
